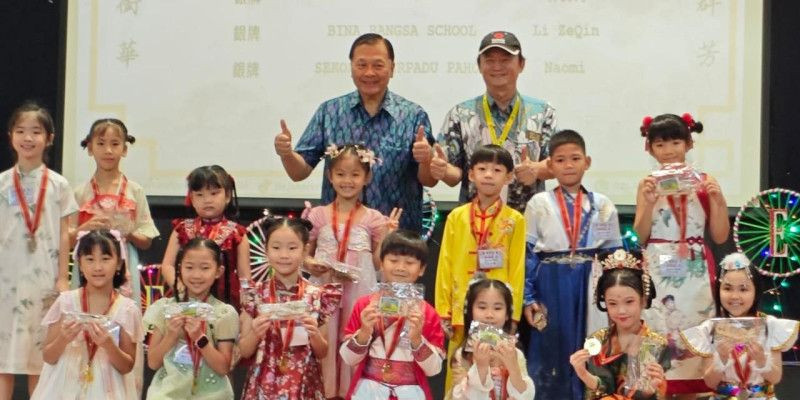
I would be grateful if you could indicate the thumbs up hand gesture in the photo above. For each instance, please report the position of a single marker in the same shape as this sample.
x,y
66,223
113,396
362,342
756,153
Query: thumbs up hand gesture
x,y
421,149
526,170
438,163
283,141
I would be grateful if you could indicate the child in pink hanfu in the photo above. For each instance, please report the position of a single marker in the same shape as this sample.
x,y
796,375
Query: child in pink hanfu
x,y
350,233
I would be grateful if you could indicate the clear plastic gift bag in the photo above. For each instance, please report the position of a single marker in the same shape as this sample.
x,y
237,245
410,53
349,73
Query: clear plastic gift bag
x,y
102,321
647,352
734,332
485,333
286,311
344,270
676,178
400,300
190,309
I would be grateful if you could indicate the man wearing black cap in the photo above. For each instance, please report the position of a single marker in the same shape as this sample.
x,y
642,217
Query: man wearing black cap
x,y
521,124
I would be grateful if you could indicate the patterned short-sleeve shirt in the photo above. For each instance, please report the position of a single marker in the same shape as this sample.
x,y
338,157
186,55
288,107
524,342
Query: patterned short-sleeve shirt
x,y
465,129
390,134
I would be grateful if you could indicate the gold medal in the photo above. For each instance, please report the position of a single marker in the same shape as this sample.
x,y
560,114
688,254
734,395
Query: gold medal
x,y
86,374
31,244
533,136
283,364
743,394
386,369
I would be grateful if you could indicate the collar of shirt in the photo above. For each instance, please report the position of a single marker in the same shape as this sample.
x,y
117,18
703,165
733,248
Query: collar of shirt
x,y
494,106
389,104
34,173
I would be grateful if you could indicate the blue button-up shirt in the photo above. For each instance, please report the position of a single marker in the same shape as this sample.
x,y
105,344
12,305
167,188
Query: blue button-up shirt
x,y
390,133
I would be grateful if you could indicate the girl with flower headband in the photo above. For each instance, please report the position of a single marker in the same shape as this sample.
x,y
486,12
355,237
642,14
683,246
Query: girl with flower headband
x,y
109,200
93,333
625,361
212,197
673,224
346,235
748,366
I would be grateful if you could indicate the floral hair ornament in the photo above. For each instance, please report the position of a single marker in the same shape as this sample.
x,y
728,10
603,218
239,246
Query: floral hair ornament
x,y
364,154
622,259
123,253
735,262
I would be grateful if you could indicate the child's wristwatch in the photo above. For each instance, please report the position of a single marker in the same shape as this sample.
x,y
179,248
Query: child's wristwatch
x,y
201,342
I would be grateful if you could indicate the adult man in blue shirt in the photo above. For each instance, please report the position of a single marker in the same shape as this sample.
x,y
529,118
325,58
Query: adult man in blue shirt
x,y
375,117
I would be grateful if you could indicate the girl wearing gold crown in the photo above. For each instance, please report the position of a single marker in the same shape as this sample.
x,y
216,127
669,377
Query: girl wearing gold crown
x,y
625,361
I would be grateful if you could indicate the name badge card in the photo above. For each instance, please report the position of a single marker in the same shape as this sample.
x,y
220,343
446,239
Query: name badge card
x,y
490,258
604,231
183,356
673,267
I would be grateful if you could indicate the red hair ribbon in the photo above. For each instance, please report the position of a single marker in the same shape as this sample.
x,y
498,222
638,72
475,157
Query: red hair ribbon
x,y
646,121
689,120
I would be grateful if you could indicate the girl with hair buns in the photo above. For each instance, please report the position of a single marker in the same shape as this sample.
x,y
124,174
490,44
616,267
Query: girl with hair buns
x,y
109,200
673,223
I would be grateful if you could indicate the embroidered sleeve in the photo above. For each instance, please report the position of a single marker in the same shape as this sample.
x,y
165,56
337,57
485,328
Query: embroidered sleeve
x,y
698,340
781,333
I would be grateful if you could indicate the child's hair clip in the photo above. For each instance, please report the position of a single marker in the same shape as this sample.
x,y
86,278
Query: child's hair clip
x,y
332,151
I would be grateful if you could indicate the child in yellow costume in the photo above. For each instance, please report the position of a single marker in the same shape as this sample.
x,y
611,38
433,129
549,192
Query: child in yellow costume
x,y
482,239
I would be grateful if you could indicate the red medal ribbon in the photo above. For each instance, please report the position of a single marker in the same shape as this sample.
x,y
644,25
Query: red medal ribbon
x,y
680,213
742,372
342,249
32,224
391,347
573,231
504,390
122,188
194,351
273,298
91,347
481,234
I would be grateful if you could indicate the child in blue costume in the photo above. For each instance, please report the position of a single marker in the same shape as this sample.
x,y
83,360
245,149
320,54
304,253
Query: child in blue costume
x,y
561,242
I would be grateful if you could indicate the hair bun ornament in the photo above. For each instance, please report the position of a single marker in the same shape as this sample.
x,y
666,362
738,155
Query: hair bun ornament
x,y
689,120
646,121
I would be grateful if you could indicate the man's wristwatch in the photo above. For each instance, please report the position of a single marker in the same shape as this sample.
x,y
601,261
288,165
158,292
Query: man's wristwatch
x,y
201,342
